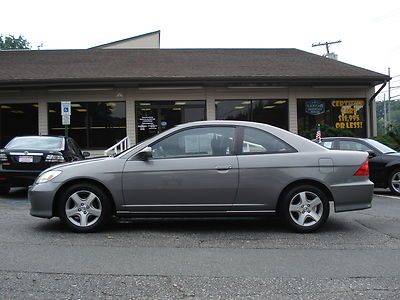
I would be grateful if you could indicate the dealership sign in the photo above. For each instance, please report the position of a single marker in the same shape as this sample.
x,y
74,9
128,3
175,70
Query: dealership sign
x,y
315,107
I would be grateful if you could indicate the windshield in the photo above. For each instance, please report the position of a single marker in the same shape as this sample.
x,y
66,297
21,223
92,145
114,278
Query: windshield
x,y
36,143
381,147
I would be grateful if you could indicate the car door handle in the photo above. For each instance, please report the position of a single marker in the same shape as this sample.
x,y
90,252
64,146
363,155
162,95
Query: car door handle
x,y
223,168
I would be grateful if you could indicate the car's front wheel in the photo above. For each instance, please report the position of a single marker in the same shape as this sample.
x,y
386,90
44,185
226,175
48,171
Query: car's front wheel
x,y
84,208
394,182
305,208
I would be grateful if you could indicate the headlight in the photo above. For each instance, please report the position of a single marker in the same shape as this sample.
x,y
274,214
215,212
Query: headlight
x,y
45,177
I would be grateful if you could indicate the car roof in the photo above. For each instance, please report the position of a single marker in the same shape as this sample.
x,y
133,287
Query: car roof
x,y
39,136
343,138
298,142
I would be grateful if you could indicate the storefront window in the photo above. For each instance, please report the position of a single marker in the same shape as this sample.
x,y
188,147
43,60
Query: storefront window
x,y
153,117
336,117
93,124
16,120
273,112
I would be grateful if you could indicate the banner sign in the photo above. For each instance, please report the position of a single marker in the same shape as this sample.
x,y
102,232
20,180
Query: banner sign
x,y
349,116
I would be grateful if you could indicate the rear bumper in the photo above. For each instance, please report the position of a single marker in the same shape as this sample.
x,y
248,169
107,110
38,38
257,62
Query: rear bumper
x,y
352,196
18,178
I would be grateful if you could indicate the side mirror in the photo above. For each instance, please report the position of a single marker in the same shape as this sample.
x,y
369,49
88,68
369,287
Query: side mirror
x,y
145,154
371,154
85,154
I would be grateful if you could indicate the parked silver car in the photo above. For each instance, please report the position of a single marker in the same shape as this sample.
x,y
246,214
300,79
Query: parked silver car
x,y
208,168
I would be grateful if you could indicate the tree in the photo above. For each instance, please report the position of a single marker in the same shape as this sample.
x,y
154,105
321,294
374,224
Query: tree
x,y
11,42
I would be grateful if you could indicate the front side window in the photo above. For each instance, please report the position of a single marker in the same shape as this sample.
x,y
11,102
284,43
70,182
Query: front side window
x,y
196,142
73,147
258,141
327,144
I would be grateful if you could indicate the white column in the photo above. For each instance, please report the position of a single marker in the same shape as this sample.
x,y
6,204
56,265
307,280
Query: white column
x,y
130,118
293,111
210,103
43,128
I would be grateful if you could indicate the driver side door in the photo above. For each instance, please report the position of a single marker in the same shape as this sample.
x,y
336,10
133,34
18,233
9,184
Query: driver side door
x,y
195,169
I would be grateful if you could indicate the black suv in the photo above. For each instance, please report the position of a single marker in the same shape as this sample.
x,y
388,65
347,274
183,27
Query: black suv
x,y
384,162
25,157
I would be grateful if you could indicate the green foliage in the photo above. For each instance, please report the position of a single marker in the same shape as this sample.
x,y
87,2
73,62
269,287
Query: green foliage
x,y
388,141
392,138
11,42
328,131
394,115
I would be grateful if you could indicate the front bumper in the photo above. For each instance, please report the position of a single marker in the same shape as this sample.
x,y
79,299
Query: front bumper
x,y
352,196
42,197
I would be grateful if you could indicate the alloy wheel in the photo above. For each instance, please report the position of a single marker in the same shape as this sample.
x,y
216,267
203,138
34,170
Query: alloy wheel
x,y
395,182
306,208
83,208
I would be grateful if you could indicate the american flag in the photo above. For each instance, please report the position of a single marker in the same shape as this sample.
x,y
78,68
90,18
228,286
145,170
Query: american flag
x,y
318,134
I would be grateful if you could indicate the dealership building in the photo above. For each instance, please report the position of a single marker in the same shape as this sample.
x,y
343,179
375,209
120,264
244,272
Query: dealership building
x,y
134,89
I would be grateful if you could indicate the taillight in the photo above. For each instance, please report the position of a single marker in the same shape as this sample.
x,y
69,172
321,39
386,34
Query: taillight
x,y
363,170
53,158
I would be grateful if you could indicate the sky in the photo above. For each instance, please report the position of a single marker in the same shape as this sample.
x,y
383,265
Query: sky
x,y
369,30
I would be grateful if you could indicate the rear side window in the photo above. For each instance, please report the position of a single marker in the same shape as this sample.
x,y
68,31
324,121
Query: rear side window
x,y
351,145
257,141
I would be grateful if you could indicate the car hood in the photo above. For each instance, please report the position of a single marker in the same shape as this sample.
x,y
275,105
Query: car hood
x,y
78,163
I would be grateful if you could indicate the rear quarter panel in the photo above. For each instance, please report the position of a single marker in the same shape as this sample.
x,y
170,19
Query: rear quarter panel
x,y
262,177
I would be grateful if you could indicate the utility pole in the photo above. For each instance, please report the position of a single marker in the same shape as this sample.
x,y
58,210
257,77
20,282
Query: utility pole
x,y
326,44
384,114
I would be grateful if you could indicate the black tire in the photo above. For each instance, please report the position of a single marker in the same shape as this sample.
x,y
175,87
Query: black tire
x,y
304,204
88,207
394,182
4,190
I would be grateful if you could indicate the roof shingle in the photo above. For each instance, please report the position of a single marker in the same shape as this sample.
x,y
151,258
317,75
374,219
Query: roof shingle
x,y
116,65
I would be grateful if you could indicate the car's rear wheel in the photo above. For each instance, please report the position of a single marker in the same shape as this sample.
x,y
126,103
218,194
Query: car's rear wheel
x,y
305,208
84,208
394,182
4,190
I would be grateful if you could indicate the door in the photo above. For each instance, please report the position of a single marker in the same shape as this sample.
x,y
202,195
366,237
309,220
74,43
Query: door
x,y
193,169
154,117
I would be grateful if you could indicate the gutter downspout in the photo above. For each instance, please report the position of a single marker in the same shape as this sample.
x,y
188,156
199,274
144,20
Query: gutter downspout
x,y
371,130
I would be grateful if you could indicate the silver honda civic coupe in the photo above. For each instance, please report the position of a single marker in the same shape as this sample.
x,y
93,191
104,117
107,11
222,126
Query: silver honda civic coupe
x,y
208,168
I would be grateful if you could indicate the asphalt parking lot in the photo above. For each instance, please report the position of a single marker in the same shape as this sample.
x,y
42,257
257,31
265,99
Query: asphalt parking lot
x,y
356,255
